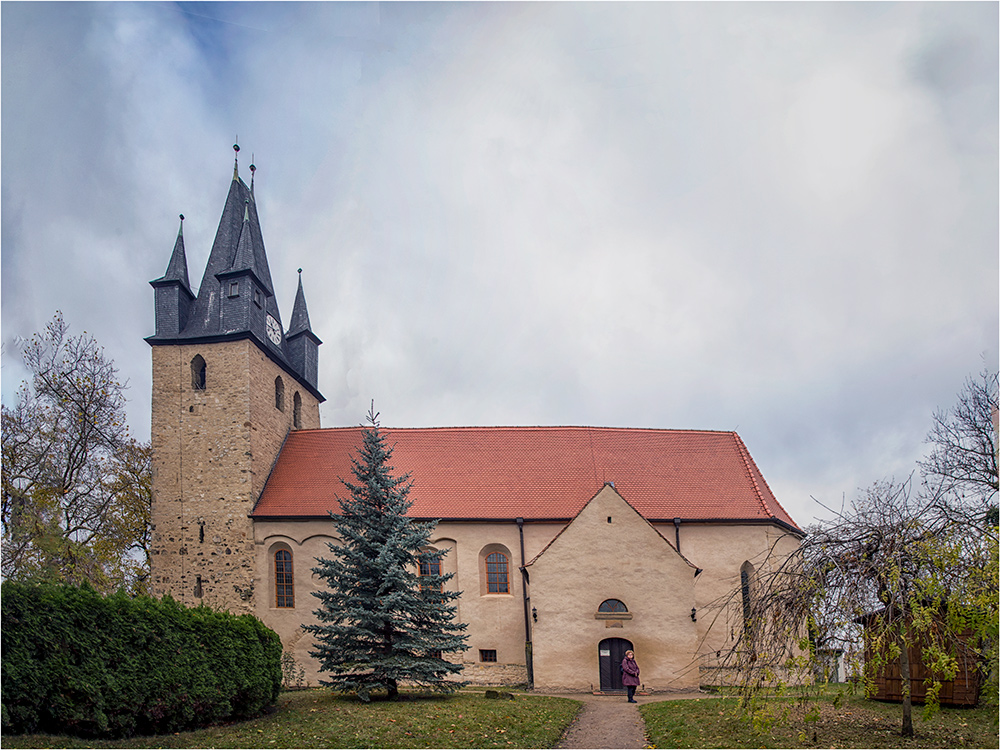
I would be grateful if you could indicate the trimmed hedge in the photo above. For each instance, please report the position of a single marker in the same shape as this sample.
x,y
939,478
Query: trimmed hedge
x,y
77,663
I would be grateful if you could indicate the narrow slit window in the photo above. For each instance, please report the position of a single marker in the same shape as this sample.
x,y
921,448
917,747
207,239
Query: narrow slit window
x,y
745,591
297,410
279,394
284,586
198,373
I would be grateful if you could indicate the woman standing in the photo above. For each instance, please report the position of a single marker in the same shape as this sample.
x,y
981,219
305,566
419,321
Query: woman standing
x,y
630,675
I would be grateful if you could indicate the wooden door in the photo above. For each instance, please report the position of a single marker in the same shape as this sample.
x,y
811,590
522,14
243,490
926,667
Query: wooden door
x,y
610,653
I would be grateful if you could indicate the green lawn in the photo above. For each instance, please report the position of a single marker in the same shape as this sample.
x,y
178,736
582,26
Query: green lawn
x,y
850,722
318,718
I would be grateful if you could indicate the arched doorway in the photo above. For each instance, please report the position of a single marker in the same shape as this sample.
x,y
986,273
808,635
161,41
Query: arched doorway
x,y
610,653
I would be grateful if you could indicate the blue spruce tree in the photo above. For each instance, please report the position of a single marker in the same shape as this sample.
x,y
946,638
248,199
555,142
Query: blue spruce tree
x,y
385,617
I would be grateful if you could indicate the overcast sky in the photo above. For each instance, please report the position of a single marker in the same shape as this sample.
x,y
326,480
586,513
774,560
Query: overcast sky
x,y
780,218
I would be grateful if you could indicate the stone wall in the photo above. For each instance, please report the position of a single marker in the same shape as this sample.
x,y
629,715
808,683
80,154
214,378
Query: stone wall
x,y
212,451
494,674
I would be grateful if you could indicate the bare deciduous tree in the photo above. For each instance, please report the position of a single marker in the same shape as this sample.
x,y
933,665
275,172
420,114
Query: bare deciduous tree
x,y
961,470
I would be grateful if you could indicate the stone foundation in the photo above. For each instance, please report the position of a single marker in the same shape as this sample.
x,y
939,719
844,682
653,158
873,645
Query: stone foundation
x,y
476,673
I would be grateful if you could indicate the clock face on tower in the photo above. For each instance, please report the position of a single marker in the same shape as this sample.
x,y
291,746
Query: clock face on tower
x,y
273,330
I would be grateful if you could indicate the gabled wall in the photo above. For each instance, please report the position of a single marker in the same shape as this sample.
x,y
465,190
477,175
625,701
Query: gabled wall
x,y
610,552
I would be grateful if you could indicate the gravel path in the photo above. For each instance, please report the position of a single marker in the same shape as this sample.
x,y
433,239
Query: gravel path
x,y
605,722
609,721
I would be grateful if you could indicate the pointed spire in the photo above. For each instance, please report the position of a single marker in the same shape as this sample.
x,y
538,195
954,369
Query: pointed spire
x,y
300,315
244,259
177,269
236,161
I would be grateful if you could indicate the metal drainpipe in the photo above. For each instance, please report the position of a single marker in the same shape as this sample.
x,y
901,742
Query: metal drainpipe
x,y
677,533
528,661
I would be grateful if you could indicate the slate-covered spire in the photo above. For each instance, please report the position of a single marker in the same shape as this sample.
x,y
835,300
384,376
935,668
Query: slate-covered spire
x,y
177,268
238,235
236,296
303,344
246,259
300,315
173,295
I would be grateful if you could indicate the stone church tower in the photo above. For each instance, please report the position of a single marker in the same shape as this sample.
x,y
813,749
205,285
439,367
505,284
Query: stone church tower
x,y
229,383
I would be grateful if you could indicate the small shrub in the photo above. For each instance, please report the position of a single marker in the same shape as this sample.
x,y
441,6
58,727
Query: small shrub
x,y
77,663
292,674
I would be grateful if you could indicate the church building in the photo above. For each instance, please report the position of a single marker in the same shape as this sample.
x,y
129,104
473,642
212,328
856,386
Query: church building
x,y
569,544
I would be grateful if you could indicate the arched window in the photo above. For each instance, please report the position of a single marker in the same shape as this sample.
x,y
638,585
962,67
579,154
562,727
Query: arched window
x,y
497,578
430,566
284,585
612,605
279,393
297,410
198,373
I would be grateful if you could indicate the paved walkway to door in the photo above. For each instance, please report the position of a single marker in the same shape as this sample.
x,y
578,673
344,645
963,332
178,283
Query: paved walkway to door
x,y
609,721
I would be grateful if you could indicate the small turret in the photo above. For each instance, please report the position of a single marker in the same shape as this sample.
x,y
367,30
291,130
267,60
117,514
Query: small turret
x,y
173,291
303,344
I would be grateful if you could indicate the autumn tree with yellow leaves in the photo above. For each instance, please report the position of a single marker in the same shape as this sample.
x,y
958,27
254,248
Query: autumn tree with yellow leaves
x,y
75,484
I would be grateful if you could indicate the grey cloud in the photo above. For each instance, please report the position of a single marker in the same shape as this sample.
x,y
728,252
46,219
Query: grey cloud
x,y
780,218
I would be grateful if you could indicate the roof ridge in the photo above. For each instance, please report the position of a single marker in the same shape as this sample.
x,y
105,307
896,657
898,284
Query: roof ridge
x,y
588,428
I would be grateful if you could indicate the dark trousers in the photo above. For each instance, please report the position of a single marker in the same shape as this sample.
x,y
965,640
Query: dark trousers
x,y
631,691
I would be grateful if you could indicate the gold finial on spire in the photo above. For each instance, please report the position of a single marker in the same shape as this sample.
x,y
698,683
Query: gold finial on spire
x,y
236,165
180,232
252,170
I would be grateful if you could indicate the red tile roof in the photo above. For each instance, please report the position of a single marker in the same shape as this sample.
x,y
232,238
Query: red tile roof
x,y
534,473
